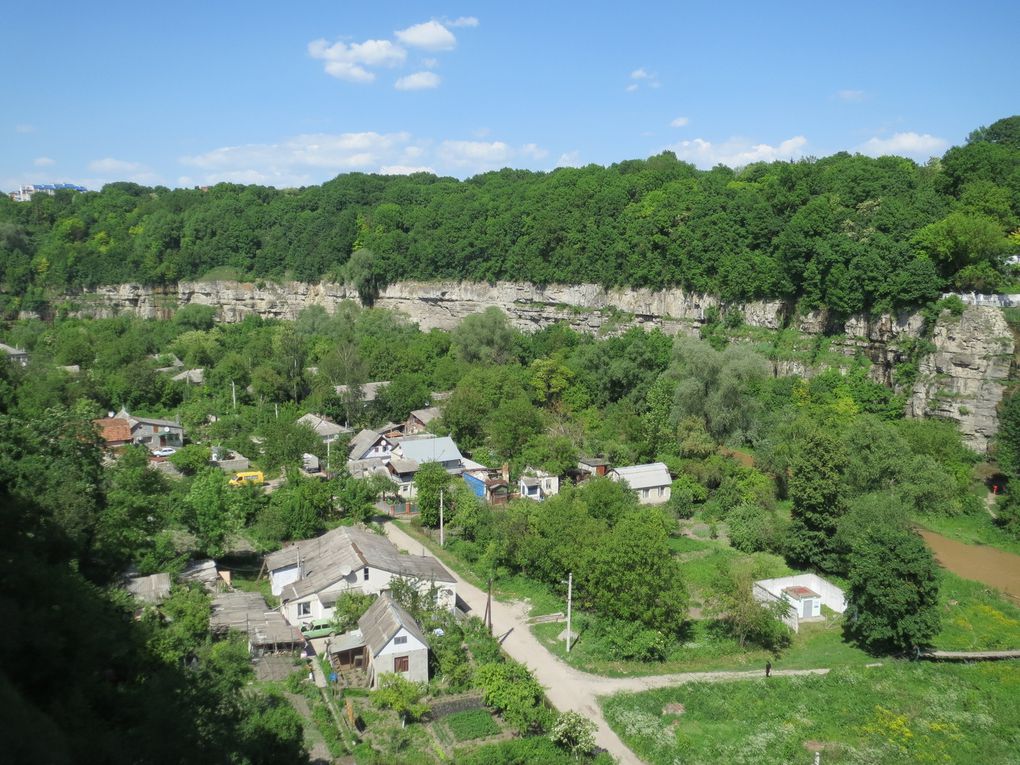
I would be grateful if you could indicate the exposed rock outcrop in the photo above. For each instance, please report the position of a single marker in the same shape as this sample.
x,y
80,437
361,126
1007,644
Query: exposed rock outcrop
x,y
962,380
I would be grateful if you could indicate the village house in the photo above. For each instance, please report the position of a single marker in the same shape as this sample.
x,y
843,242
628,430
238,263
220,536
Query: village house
x,y
387,641
538,484
369,445
325,428
410,453
418,421
114,431
651,482
16,355
487,483
190,376
151,432
369,391
309,576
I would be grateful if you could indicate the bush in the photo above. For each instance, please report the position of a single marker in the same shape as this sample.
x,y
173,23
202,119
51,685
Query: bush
x,y
630,641
574,733
509,688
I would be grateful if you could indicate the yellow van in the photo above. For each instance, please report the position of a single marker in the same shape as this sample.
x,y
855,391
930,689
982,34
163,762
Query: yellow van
x,y
248,476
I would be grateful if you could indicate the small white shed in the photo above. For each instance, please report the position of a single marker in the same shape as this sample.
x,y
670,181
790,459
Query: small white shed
x,y
805,601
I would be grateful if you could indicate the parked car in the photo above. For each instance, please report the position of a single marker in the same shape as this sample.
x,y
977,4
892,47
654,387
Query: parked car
x,y
318,628
166,451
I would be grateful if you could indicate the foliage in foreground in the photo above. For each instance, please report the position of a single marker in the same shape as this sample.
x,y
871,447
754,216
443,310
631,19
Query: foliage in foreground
x,y
897,713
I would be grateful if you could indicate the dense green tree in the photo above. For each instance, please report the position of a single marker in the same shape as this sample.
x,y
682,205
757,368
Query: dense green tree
x,y
430,482
819,500
893,593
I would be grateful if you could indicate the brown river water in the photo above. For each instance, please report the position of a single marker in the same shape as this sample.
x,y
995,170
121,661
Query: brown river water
x,y
982,564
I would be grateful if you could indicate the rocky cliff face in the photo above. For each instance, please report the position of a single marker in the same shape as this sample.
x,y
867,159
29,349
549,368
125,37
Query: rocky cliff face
x,y
963,380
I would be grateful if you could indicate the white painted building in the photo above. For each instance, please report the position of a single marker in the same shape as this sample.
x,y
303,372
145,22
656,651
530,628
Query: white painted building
x,y
394,642
309,576
651,482
538,484
805,594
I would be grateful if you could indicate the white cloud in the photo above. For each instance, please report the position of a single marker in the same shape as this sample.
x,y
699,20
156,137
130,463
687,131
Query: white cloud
x,y
418,81
533,151
904,144
851,96
640,74
430,35
679,122
463,21
404,169
43,162
737,152
478,154
348,61
569,159
430,63
112,166
24,127
632,87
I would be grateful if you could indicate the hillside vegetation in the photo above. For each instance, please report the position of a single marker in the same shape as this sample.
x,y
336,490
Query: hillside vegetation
x,y
848,233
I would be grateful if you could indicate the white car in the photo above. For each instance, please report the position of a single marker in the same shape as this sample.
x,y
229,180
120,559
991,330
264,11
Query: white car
x,y
166,451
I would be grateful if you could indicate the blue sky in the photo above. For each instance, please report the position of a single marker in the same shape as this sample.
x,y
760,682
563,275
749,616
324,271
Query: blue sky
x,y
189,93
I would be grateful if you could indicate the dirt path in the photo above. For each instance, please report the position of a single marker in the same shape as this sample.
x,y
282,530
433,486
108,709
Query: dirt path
x,y
568,688
318,752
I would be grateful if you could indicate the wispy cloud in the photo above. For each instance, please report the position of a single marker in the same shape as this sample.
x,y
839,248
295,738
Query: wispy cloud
x,y
418,81
679,122
24,127
111,166
431,36
44,162
916,145
641,77
463,21
569,159
404,169
851,96
737,152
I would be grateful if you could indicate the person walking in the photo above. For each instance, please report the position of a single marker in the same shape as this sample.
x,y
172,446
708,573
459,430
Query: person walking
x,y
768,669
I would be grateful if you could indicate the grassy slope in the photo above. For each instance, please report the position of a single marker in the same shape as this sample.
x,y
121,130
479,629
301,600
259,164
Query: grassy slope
x,y
897,713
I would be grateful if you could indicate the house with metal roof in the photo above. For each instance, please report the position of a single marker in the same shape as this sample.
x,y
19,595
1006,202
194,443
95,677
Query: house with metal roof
x,y
310,575
411,452
538,484
153,433
369,391
16,355
651,482
369,445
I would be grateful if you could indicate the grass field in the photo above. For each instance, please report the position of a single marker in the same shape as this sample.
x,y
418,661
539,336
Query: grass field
x,y
472,724
976,617
898,713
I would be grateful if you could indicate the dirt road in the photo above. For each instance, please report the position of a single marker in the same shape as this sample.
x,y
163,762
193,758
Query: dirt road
x,y
568,688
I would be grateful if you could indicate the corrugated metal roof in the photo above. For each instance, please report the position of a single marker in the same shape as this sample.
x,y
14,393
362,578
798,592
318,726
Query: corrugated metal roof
x,y
644,476
429,449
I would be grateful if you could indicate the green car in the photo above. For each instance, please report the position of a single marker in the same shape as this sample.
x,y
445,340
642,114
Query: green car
x,y
317,629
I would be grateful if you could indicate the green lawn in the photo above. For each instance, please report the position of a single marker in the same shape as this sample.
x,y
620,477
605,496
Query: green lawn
x,y
898,713
472,724
976,617
816,645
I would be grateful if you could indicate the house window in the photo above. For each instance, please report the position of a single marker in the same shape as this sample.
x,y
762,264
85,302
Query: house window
x,y
304,609
365,573
400,663
400,640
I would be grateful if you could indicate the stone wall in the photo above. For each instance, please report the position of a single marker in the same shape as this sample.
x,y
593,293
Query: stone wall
x,y
963,380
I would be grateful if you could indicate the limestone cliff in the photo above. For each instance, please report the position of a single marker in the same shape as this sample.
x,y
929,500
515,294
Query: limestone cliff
x,y
962,380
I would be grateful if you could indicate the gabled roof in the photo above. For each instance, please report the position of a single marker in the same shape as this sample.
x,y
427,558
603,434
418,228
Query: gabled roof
x,y
369,390
322,425
196,376
151,589
362,442
383,620
429,449
644,476
425,416
136,420
113,429
327,559
10,350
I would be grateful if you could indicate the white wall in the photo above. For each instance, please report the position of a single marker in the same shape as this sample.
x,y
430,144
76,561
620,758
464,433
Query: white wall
x,y
417,659
832,596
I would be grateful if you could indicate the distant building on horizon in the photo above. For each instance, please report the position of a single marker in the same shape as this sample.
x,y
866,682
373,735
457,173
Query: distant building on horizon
x,y
25,193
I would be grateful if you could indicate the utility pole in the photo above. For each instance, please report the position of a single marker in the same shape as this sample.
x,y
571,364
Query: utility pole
x,y
570,598
442,536
327,455
233,394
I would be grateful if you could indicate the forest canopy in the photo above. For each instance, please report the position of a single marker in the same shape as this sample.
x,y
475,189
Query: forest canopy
x,y
847,232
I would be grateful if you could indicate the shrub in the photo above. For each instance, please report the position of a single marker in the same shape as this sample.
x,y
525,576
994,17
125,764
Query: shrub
x,y
509,688
574,733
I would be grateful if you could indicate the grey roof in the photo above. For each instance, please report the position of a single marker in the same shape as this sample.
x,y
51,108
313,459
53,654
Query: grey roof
x,y
528,480
196,376
384,619
593,461
427,415
362,442
327,559
644,476
322,425
346,641
403,466
135,419
248,612
151,589
369,391
429,449
365,468
11,350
